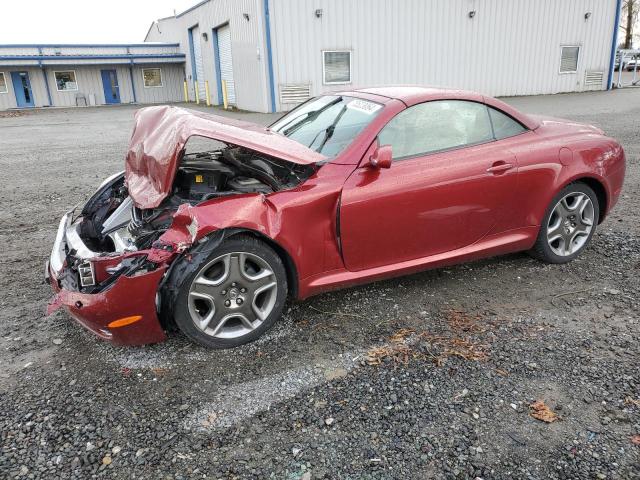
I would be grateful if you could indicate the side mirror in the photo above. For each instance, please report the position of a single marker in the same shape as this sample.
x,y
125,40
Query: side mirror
x,y
381,158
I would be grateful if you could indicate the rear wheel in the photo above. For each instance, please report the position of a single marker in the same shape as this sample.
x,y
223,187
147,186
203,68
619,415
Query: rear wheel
x,y
234,296
569,224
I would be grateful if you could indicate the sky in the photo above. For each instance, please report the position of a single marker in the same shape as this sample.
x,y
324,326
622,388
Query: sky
x,y
83,21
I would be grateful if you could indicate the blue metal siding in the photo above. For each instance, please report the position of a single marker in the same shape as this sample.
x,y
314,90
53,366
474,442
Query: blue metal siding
x,y
272,86
88,45
614,45
124,56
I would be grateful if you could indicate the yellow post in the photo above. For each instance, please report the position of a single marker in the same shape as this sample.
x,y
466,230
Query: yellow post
x,y
186,93
206,89
195,88
225,100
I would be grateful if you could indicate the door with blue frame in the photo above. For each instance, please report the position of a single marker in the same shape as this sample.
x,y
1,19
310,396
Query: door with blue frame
x,y
110,86
22,89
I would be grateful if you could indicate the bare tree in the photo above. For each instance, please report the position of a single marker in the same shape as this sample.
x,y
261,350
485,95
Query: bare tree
x,y
630,11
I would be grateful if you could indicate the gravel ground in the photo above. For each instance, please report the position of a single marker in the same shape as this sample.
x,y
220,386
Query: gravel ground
x,y
427,376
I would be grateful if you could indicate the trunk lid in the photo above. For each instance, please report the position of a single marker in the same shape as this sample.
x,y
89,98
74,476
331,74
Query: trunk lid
x,y
566,126
160,134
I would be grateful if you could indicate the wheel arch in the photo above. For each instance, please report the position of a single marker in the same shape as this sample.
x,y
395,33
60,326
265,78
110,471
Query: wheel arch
x,y
599,189
180,269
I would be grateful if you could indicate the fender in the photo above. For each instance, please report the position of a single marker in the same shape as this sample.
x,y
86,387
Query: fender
x,y
302,227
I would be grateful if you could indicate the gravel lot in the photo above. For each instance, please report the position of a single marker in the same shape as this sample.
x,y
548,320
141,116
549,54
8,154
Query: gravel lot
x,y
463,351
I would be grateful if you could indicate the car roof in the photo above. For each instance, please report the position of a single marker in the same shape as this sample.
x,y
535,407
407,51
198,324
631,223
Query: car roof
x,y
414,94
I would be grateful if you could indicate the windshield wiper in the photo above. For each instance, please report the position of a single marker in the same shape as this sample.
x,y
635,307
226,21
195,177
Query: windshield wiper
x,y
310,116
328,133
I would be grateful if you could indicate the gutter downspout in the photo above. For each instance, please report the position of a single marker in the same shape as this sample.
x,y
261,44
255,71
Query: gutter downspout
x,y
44,73
614,45
272,86
133,85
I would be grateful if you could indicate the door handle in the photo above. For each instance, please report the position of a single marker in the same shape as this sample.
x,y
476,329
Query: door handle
x,y
499,167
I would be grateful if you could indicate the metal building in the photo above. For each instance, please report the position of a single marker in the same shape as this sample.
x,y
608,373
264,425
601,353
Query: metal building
x,y
272,54
70,75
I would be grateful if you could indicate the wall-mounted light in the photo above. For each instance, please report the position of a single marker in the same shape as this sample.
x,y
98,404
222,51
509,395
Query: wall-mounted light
x,y
318,13
246,16
587,15
472,13
205,37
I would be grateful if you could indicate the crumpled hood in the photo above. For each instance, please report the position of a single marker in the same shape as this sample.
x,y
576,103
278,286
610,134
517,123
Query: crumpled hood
x,y
160,134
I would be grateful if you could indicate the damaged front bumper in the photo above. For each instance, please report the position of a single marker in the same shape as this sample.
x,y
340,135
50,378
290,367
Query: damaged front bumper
x,y
112,295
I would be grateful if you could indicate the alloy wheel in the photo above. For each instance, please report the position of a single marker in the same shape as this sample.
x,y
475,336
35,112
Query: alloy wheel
x,y
232,295
570,224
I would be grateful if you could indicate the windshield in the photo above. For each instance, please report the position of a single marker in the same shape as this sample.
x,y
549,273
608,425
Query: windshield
x,y
327,124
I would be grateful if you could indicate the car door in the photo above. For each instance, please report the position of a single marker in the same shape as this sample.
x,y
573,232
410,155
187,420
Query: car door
x,y
448,186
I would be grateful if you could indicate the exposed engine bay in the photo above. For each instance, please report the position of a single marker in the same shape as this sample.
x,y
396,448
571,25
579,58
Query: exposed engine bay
x,y
112,223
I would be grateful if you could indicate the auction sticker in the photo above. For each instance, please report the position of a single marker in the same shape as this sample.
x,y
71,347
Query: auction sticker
x,y
364,106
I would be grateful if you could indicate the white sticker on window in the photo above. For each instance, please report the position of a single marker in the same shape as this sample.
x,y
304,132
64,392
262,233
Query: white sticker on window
x,y
364,106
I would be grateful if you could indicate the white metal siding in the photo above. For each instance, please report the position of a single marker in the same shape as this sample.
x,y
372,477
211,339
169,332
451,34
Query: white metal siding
x,y
226,62
172,85
89,80
509,47
247,43
38,90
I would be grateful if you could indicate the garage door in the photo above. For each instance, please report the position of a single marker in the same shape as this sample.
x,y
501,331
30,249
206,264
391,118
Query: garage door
x,y
226,63
197,57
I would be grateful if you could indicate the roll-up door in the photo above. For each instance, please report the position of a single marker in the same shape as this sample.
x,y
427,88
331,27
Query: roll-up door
x,y
197,59
226,63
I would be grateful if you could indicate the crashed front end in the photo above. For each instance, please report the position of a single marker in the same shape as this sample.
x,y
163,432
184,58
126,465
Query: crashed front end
x,y
111,291
111,258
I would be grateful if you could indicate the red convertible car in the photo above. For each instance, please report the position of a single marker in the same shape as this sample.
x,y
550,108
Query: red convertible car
x,y
348,188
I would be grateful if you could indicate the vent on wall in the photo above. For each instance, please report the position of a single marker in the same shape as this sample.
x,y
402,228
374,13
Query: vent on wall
x,y
294,93
592,78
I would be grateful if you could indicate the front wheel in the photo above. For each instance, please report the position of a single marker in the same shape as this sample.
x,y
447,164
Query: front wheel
x,y
568,225
234,296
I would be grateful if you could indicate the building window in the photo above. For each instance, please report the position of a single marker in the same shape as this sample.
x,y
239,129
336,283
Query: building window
x,y
66,81
152,77
336,66
569,59
3,83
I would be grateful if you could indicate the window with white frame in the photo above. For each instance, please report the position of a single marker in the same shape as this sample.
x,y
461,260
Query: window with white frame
x,y
3,83
569,59
336,66
152,77
66,81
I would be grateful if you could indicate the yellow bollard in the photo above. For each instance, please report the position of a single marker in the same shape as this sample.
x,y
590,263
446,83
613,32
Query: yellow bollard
x,y
186,92
206,89
195,88
225,100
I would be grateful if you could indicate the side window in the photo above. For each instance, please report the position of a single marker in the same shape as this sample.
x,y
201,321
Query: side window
x,y
503,125
436,126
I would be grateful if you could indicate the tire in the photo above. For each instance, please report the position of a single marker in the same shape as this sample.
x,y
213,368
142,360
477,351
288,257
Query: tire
x,y
564,232
219,292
